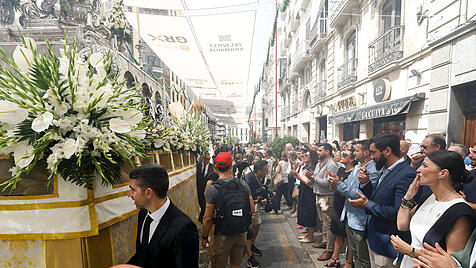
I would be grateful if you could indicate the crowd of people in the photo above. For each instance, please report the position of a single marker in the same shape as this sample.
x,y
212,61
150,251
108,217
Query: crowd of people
x,y
388,201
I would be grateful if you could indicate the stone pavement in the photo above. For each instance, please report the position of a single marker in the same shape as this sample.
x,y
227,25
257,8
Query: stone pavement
x,y
278,239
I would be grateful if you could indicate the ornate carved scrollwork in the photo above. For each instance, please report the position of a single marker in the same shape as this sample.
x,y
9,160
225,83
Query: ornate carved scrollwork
x,y
69,12
7,15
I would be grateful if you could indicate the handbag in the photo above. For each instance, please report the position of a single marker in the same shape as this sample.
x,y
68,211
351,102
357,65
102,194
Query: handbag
x,y
295,193
278,180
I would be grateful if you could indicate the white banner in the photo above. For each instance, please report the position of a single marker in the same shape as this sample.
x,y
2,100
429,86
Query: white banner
x,y
211,53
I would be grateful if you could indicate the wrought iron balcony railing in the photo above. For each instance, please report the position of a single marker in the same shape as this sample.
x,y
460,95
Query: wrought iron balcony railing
x,y
318,31
347,73
320,91
300,53
386,49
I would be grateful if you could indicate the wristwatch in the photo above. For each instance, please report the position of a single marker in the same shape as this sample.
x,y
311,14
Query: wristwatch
x,y
412,253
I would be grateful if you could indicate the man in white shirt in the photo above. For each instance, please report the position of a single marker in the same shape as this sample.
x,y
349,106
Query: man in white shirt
x,y
166,237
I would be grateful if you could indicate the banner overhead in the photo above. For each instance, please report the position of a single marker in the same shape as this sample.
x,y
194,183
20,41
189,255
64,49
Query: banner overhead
x,y
211,53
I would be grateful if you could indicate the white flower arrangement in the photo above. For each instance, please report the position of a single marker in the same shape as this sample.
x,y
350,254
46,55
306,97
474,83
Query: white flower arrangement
x,y
118,22
187,133
68,115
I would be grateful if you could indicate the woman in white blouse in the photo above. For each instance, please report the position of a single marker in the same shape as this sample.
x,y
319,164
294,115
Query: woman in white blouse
x,y
442,216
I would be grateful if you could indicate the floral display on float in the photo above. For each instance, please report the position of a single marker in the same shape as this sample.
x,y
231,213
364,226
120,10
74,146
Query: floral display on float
x,y
118,24
186,133
68,115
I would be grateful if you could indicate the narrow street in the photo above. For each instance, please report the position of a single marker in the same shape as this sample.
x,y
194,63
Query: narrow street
x,y
278,239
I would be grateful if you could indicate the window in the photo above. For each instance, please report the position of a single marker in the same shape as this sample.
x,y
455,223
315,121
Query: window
x,y
350,46
307,100
322,71
307,75
391,14
323,19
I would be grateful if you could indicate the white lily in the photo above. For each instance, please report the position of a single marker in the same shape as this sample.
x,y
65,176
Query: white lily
x,y
42,122
132,116
12,113
23,155
69,147
23,58
138,133
96,59
118,125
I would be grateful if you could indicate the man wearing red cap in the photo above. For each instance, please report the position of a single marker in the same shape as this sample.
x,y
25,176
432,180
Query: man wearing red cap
x,y
228,244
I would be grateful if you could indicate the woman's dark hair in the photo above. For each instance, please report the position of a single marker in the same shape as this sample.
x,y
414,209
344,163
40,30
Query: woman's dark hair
x,y
337,145
454,163
314,157
284,156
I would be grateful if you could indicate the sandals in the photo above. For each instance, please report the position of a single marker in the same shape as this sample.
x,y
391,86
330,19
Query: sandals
x,y
335,263
348,262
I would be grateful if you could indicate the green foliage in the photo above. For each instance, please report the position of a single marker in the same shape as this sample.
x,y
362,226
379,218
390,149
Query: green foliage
x,y
255,141
277,146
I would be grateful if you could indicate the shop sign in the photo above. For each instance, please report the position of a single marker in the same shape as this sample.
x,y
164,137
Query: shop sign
x,y
389,108
381,90
344,105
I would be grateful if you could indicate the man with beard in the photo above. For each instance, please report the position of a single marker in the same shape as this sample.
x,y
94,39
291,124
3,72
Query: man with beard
x,y
324,198
382,202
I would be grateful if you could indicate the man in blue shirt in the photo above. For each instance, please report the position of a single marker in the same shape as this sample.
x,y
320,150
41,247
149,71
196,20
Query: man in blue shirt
x,y
356,218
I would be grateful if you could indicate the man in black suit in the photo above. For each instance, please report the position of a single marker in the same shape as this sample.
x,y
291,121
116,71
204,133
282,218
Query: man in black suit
x,y
203,169
382,199
166,237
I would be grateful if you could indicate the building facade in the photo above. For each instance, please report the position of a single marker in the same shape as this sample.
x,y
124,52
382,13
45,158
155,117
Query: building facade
x,y
354,69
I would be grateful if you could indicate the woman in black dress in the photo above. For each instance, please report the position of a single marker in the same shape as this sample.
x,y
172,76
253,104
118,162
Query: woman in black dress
x,y
307,212
337,226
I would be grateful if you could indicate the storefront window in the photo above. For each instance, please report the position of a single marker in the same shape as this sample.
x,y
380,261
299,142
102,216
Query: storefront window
x,y
351,130
392,124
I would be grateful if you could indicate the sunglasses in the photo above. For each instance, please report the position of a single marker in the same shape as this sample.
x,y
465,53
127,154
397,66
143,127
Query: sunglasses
x,y
424,147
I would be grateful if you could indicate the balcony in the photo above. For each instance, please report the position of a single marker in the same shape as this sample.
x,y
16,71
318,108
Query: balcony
x,y
340,10
318,34
347,73
300,56
386,49
320,91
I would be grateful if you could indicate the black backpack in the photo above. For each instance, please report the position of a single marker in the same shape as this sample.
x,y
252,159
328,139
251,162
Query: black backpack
x,y
233,207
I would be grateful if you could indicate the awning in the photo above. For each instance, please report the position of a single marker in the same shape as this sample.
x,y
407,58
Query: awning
x,y
384,109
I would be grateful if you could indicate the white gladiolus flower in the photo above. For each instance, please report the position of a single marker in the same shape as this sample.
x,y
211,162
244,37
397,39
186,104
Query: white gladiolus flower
x,y
119,125
132,116
23,155
23,58
12,113
42,122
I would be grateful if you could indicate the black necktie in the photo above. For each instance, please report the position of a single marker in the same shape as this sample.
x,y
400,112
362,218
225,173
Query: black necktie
x,y
204,169
145,231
